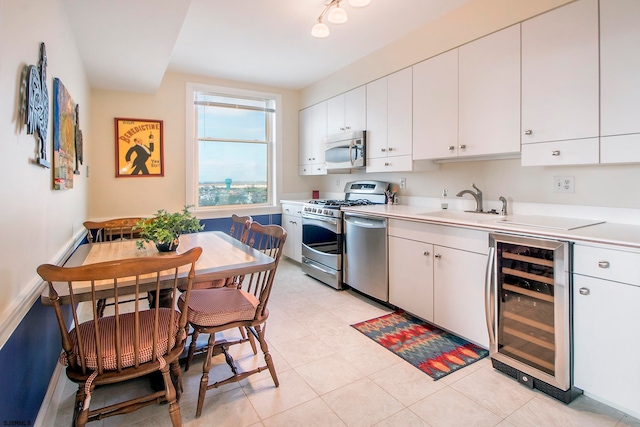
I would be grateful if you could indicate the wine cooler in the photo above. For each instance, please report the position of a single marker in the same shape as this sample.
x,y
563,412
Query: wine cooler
x,y
528,312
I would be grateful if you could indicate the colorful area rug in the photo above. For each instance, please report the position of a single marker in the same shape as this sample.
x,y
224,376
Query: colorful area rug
x,y
434,351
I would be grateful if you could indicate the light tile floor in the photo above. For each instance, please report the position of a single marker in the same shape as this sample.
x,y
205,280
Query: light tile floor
x,y
331,375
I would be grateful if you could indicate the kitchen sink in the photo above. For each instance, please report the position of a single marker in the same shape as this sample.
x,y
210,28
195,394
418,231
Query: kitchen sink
x,y
556,223
462,215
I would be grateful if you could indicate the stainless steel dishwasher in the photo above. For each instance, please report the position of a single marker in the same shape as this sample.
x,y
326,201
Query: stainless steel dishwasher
x,y
365,255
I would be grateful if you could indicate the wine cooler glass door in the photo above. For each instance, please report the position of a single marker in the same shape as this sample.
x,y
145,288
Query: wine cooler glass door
x,y
531,307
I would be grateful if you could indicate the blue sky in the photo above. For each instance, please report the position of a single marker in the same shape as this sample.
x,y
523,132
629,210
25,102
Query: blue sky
x,y
235,160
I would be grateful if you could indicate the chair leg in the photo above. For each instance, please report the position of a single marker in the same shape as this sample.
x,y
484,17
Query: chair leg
x,y
267,356
204,381
252,341
192,349
170,395
176,378
80,415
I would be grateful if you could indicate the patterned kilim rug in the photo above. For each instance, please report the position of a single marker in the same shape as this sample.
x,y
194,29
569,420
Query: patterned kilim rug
x,y
434,351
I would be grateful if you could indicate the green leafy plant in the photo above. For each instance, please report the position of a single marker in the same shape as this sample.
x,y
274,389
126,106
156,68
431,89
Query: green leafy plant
x,y
165,227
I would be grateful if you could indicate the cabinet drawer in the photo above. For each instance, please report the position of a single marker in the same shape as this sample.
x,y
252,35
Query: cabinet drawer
x,y
452,237
390,164
293,209
315,169
572,152
608,264
620,149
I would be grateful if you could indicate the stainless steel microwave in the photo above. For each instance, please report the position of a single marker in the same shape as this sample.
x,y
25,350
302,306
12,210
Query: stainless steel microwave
x,y
345,151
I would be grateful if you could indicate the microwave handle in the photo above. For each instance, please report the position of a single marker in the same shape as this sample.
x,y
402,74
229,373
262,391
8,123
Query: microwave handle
x,y
352,144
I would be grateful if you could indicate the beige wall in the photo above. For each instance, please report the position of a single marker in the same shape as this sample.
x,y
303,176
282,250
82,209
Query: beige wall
x,y
598,185
38,224
112,196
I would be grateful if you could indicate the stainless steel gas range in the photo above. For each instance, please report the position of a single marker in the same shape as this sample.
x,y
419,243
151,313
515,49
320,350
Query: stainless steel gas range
x,y
322,229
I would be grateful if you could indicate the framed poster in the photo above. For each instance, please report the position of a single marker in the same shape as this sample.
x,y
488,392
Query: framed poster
x,y
64,137
139,148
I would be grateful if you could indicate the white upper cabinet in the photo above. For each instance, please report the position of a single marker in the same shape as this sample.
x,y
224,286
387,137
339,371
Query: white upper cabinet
x,y
489,97
313,132
389,124
347,112
435,107
620,84
560,78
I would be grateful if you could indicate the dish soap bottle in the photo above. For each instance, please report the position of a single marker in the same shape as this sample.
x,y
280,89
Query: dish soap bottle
x,y
444,201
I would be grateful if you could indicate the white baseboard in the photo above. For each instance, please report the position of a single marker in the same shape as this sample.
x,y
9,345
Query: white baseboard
x,y
51,402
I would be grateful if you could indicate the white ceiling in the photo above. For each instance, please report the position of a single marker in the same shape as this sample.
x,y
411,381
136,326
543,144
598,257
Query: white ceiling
x,y
129,45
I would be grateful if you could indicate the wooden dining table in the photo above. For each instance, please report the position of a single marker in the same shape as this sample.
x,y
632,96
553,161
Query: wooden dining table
x,y
222,257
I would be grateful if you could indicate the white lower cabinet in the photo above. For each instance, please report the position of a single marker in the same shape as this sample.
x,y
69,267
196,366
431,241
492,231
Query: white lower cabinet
x,y
459,293
292,223
437,273
606,326
411,276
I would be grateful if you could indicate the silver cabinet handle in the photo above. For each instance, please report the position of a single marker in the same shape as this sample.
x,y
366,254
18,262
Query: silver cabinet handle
x,y
425,253
286,210
348,127
555,153
437,256
451,148
462,147
528,132
603,264
386,164
383,149
584,291
390,149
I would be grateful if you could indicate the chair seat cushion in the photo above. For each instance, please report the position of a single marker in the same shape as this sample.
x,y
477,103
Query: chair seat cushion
x,y
107,327
216,307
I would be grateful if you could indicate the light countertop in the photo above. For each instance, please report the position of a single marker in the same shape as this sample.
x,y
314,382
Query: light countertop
x,y
533,225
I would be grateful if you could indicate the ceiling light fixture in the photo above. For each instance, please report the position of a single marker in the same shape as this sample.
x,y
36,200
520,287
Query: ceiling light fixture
x,y
335,15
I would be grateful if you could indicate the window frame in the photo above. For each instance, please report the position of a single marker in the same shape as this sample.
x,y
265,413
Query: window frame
x,y
192,141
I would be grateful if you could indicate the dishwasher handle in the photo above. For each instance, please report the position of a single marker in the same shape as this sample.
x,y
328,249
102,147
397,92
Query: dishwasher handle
x,y
365,221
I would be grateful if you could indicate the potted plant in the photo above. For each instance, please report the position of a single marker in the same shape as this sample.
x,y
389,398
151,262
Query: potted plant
x,y
164,228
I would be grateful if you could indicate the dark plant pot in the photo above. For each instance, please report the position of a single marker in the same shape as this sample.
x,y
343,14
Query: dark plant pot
x,y
168,246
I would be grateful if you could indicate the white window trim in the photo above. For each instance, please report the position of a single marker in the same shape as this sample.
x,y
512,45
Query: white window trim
x,y
275,156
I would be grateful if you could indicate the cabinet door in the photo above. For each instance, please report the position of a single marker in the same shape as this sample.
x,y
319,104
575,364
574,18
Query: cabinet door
x,y
620,66
355,109
293,245
490,94
335,115
377,119
620,86
458,299
560,78
411,276
313,131
435,107
606,340
399,113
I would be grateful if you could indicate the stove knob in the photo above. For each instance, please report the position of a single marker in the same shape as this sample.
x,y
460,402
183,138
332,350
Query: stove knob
x,y
330,213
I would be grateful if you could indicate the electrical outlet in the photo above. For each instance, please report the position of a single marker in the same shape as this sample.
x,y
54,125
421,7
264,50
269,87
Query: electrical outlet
x,y
337,182
563,184
403,182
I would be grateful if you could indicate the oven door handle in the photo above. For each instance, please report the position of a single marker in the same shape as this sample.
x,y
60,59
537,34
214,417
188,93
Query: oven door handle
x,y
314,266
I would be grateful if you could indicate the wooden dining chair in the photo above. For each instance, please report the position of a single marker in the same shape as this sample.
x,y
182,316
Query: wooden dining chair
x,y
239,230
129,344
219,309
109,230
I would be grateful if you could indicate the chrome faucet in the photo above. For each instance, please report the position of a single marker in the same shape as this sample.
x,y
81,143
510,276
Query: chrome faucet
x,y
476,195
503,211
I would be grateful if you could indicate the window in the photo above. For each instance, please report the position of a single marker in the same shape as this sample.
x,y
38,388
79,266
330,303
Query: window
x,y
231,148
